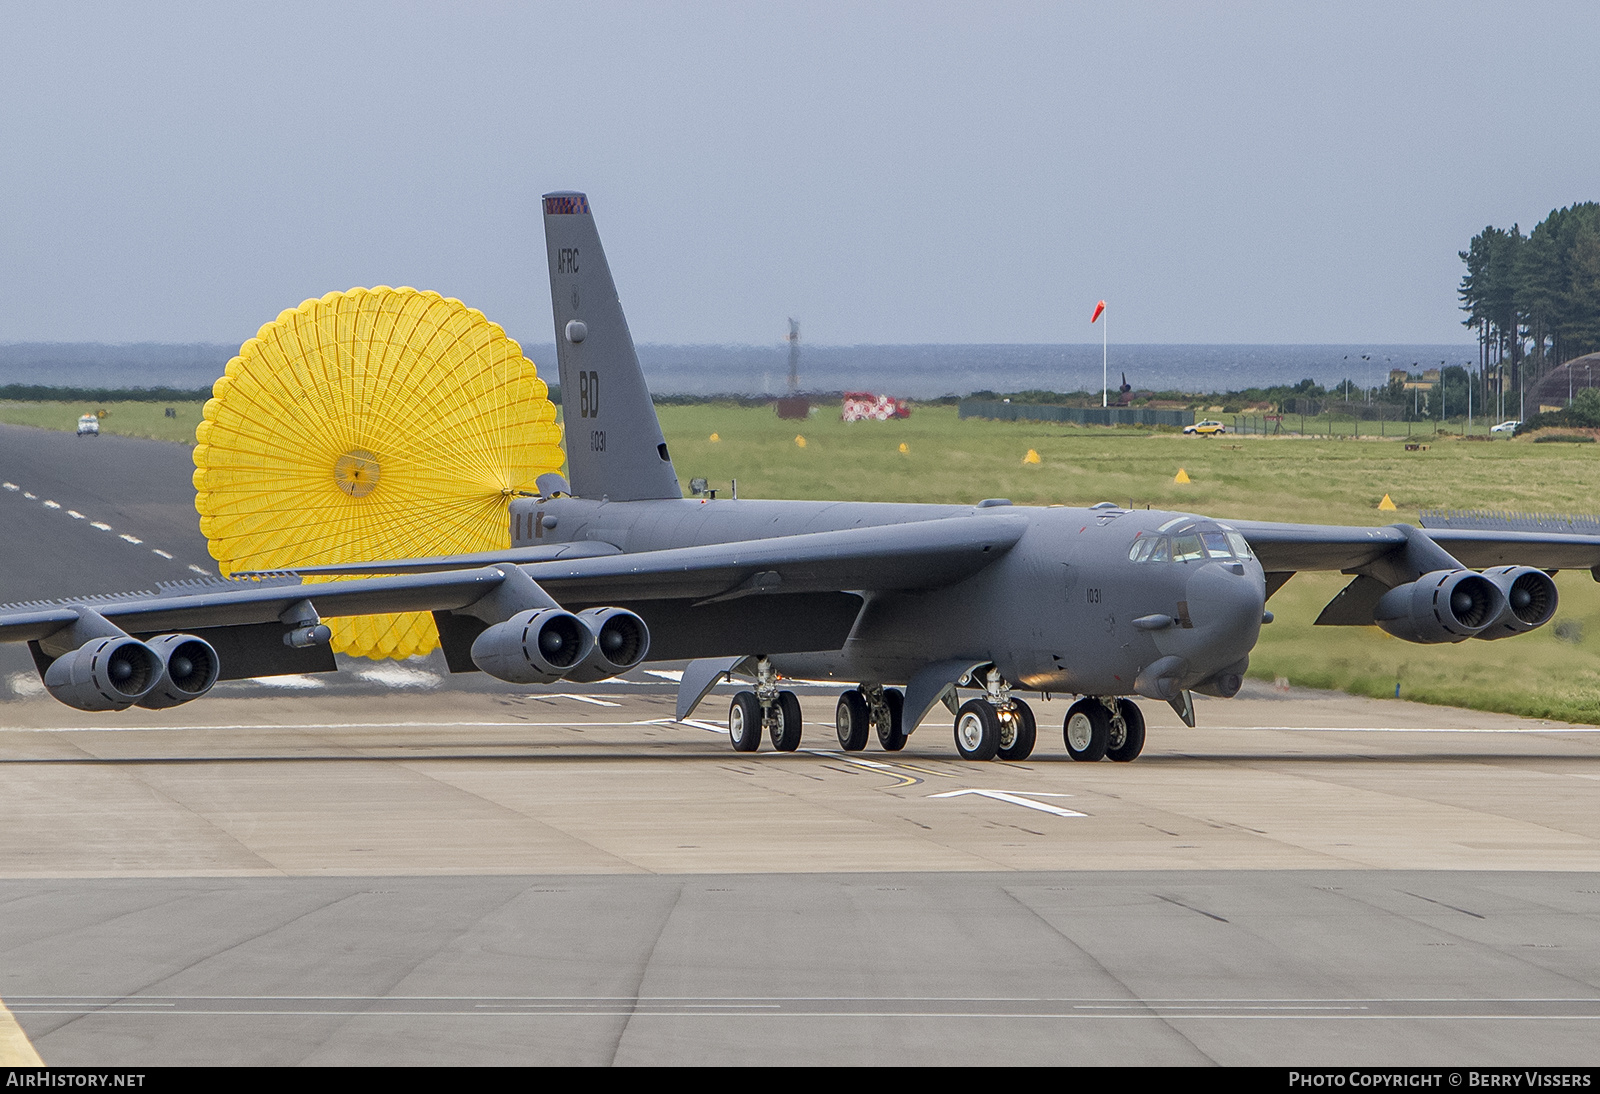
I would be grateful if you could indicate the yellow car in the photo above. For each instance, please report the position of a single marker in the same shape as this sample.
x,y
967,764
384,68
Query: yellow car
x,y
1206,428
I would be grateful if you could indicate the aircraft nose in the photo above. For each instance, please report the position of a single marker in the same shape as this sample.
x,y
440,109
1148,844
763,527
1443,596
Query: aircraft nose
x,y
1226,601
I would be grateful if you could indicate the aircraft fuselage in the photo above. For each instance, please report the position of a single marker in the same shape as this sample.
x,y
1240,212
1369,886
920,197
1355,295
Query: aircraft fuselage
x,y
1068,609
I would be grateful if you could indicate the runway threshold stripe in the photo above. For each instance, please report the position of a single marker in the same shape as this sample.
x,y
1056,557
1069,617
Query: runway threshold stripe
x,y
15,1048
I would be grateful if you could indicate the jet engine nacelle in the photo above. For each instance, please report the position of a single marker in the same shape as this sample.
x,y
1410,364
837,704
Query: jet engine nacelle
x,y
104,674
189,667
1442,606
1531,600
620,642
533,647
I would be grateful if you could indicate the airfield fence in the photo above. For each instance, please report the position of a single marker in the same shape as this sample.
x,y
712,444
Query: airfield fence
x,y
1000,410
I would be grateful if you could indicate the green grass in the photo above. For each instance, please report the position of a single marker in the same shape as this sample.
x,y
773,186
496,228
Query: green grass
x,y
1293,479
127,419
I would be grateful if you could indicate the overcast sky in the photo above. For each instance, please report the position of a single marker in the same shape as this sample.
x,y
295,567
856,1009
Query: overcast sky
x,y
1276,172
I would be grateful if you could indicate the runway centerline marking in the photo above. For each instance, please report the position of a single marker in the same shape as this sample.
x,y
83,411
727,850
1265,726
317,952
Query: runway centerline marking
x,y
1015,799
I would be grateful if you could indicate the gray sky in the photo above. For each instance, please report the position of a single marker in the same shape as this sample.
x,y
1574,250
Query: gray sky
x,y
1275,172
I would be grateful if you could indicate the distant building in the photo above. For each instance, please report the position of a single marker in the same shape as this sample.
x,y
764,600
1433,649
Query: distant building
x,y
1398,376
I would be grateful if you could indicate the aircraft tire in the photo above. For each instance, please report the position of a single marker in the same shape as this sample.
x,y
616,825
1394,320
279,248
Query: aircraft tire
x,y
853,721
892,736
977,730
1087,730
1023,737
1132,742
786,726
744,722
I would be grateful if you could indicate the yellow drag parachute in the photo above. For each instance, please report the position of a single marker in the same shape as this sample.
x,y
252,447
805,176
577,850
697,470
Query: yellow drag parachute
x,y
371,424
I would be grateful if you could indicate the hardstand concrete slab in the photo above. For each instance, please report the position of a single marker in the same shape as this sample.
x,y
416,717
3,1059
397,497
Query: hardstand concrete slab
x,y
1164,967
604,781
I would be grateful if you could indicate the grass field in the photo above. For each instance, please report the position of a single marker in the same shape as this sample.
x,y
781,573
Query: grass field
x,y
1293,479
128,419
1544,674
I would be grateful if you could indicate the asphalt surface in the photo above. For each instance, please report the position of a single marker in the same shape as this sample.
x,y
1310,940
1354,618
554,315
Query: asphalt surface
x,y
391,865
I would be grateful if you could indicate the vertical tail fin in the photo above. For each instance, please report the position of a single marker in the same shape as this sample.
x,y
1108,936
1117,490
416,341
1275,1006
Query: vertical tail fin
x,y
615,448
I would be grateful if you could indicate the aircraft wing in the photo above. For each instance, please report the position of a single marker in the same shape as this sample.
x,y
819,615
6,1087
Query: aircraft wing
x,y
1287,548
919,555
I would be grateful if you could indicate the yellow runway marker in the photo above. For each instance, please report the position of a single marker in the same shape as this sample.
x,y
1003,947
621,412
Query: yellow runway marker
x,y
15,1048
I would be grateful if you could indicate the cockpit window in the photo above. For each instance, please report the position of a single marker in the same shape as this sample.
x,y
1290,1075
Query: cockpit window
x,y
1217,545
1187,549
1194,543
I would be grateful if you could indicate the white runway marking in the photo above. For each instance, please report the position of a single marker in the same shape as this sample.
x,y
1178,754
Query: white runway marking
x,y
340,725
1015,799
198,570
675,675
30,497
580,698
75,515
9,485
398,676
130,539
695,723
100,524
159,551
52,505
299,683
1555,727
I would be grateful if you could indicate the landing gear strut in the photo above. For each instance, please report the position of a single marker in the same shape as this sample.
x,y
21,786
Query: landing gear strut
x,y
764,709
996,725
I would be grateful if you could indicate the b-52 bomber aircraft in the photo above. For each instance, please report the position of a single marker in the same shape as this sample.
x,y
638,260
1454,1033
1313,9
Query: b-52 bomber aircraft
x,y
612,566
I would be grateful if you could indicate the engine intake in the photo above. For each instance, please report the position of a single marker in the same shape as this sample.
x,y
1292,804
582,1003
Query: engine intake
x,y
104,674
533,647
189,667
621,641
1442,606
1531,600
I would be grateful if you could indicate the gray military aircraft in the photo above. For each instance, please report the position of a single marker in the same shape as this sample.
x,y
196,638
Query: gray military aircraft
x,y
612,566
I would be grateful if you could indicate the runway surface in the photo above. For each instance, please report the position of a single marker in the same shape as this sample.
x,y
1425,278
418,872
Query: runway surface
x,y
395,866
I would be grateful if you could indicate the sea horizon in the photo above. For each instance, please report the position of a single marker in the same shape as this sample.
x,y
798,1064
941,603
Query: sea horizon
x,y
915,371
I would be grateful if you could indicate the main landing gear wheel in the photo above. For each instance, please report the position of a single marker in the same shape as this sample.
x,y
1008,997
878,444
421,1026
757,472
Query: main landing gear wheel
x,y
786,722
853,721
891,729
1018,731
1087,730
744,722
1126,740
977,730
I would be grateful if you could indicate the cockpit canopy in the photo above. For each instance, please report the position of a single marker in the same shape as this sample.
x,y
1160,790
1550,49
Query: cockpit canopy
x,y
1187,540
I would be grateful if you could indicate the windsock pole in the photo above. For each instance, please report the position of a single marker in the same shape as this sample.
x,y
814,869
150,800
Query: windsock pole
x,y
1105,372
